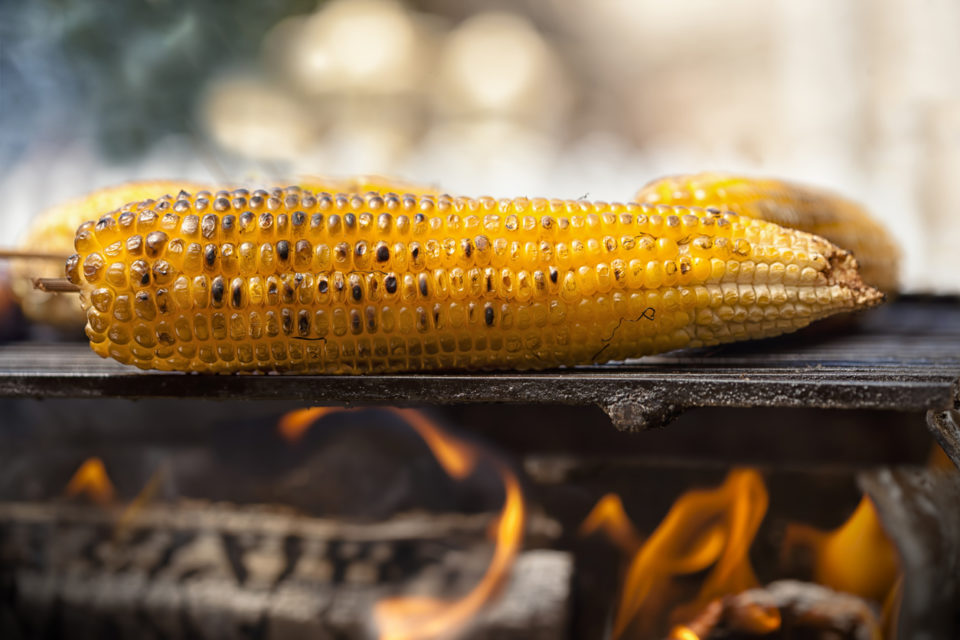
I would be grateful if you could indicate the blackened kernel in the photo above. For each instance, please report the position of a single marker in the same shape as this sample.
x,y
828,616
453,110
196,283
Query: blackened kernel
x,y
383,253
322,286
298,218
236,294
357,292
390,284
488,315
246,219
283,250
554,275
210,255
350,221
316,221
303,322
221,204
228,223
467,247
217,290
423,284
360,249
356,322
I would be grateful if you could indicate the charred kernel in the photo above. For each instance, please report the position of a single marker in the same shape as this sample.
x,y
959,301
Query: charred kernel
x,y
383,253
357,292
140,272
422,284
390,283
303,322
322,285
247,222
236,293
228,224
488,315
162,272
210,256
554,275
283,250
216,291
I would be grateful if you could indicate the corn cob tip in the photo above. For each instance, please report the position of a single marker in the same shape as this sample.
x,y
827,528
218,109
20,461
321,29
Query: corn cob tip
x,y
844,270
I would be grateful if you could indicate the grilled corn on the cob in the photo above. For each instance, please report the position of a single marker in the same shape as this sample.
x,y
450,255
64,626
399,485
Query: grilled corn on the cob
x,y
841,221
54,231
293,281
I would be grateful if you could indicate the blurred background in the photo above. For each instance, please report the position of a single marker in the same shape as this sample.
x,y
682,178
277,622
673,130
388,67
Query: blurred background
x,y
564,98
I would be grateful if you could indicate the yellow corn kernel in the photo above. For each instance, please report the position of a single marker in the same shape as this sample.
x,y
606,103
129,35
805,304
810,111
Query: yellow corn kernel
x,y
465,295
837,219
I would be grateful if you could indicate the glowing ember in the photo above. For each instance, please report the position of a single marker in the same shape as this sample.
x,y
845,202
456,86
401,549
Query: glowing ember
x,y
418,617
706,529
609,516
294,424
857,557
92,480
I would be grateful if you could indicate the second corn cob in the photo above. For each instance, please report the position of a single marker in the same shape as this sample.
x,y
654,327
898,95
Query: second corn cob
x,y
839,220
292,281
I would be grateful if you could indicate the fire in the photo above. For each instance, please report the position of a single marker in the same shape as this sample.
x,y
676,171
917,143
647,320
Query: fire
x,y
609,516
294,424
417,617
857,557
705,529
91,479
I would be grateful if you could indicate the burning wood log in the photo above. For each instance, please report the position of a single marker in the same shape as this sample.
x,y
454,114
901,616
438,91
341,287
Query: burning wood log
x,y
918,510
783,605
200,570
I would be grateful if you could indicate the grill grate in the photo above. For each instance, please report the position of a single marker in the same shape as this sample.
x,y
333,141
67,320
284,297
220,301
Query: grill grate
x,y
903,356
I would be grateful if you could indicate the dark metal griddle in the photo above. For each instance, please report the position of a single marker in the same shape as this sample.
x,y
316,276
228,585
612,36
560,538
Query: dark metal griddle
x,y
902,356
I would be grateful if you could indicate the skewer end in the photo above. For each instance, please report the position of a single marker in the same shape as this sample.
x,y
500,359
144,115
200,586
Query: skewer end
x,y
55,285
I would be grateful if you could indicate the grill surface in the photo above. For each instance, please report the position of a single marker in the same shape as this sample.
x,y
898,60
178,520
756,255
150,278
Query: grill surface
x,y
904,356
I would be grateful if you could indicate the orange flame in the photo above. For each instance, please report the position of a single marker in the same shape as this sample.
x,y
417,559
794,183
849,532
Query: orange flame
x,y
417,617
91,479
411,618
294,424
609,516
857,557
704,529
